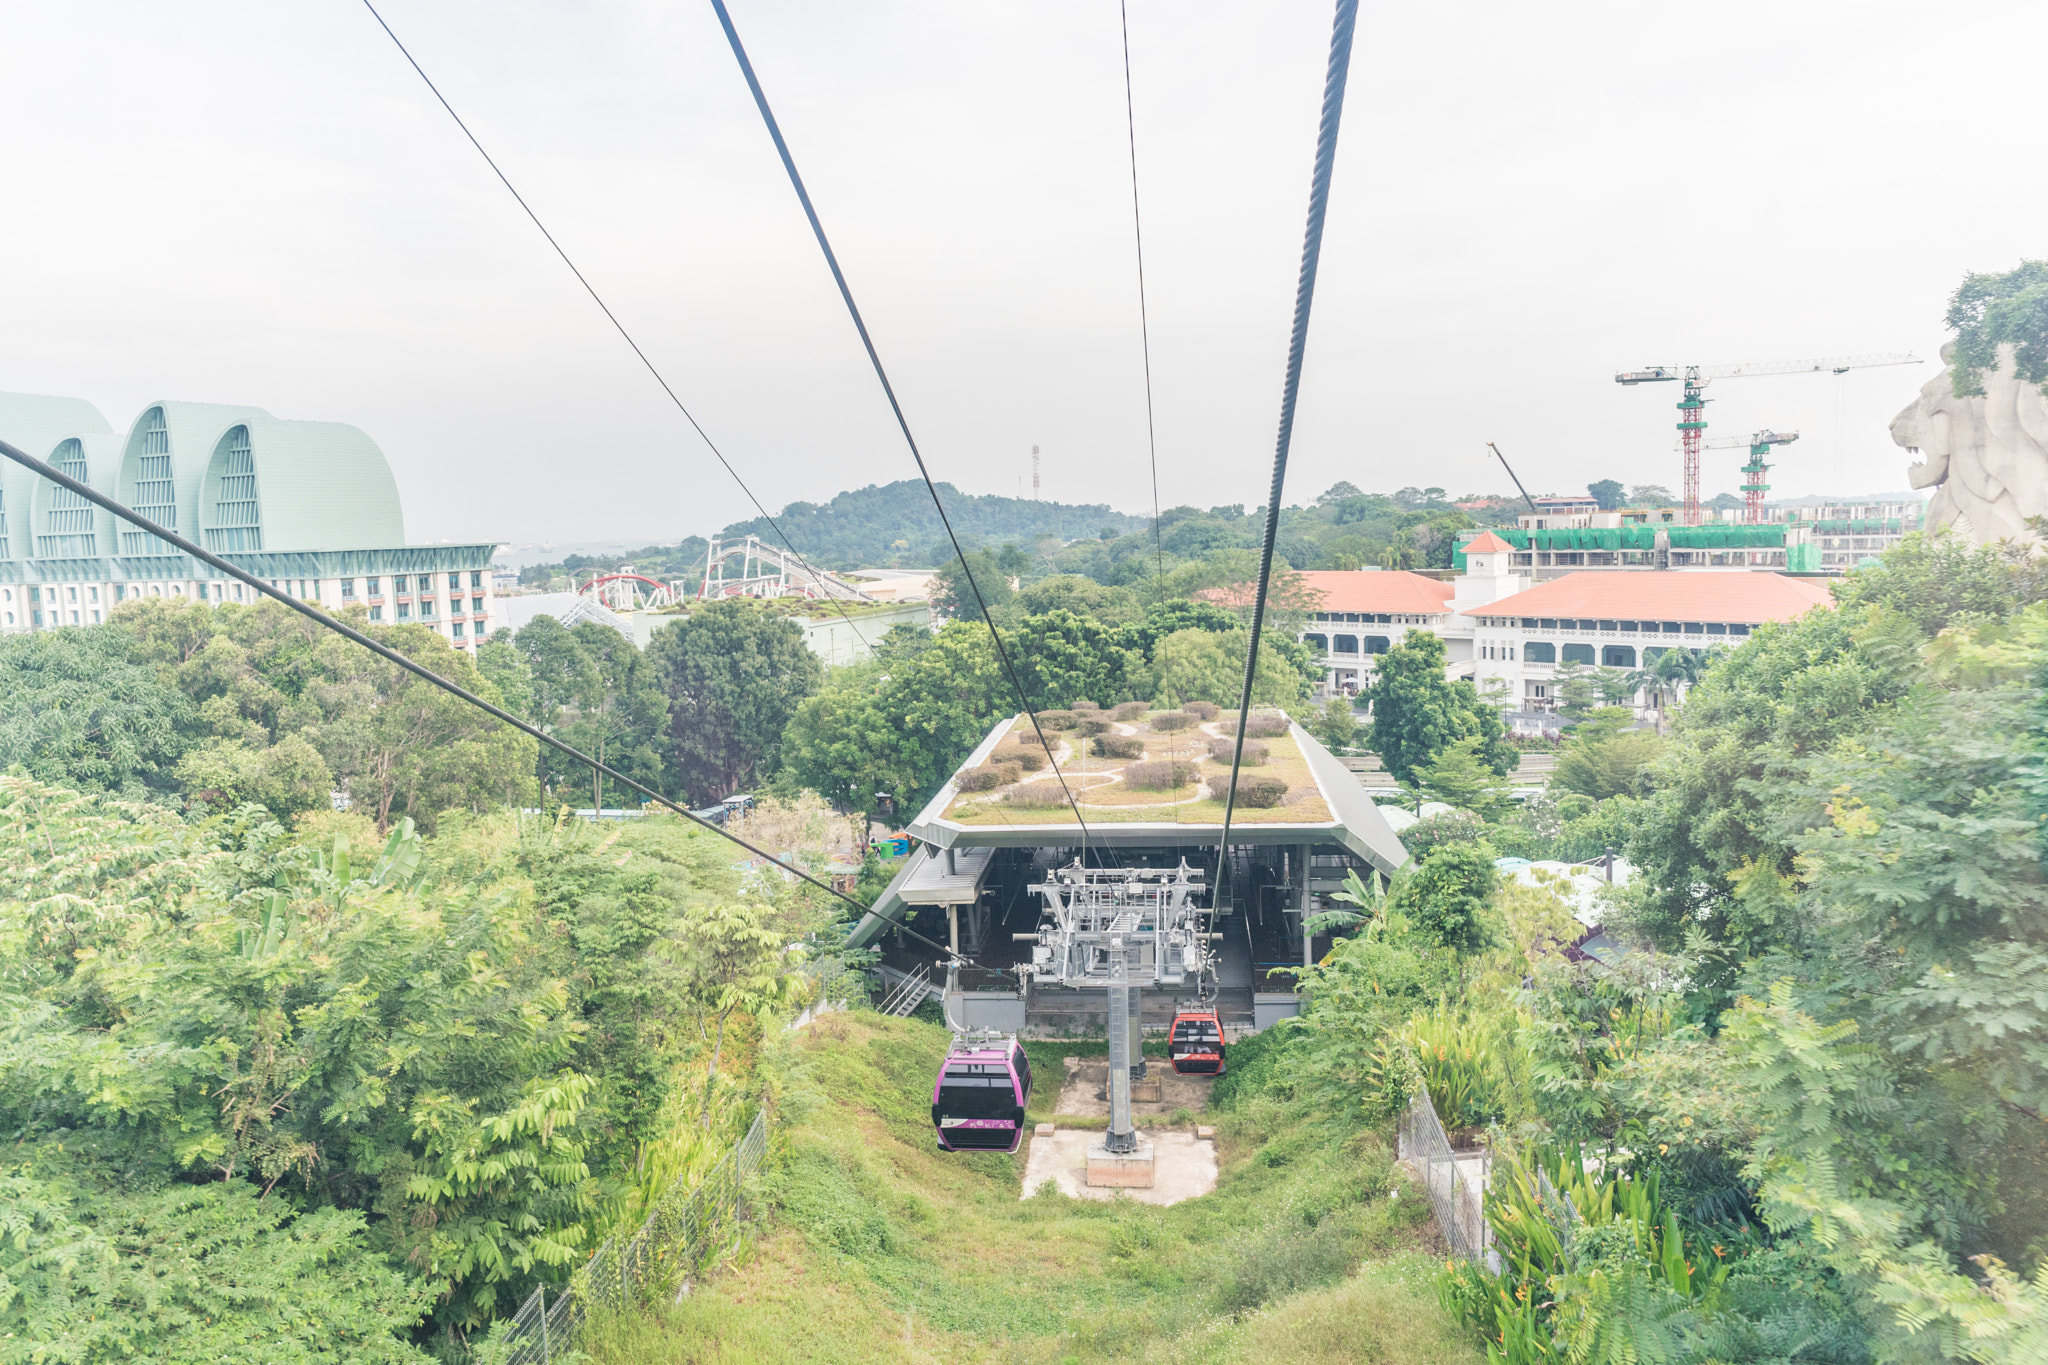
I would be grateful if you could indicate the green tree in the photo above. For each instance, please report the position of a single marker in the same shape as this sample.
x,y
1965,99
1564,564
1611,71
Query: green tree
x,y
1989,312
1458,777
990,572
1577,690
74,709
621,713
1607,492
1417,712
1200,665
735,676
197,1273
900,724
1446,898
399,745
1336,723
1062,658
1603,759
738,961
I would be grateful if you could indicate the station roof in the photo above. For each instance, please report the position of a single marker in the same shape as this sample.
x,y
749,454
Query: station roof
x,y
1745,595
1333,809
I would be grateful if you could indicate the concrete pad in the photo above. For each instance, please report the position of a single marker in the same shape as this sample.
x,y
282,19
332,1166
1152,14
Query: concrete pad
x,y
1085,1090
1044,1130
1120,1170
1204,1133
1182,1167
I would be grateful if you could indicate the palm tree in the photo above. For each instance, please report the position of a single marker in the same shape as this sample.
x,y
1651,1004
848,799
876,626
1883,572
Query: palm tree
x,y
1674,671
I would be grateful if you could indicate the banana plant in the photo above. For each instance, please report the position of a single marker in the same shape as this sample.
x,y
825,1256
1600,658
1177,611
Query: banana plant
x,y
269,934
403,862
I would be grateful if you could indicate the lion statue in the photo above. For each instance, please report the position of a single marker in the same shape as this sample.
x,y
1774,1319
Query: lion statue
x,y
1987,456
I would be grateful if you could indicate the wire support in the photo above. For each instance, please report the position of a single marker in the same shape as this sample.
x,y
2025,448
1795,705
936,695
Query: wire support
x,y
1144,318
418,670
612,318
1334,78
803,195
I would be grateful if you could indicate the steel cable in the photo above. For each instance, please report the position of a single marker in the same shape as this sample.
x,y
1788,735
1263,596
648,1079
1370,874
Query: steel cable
x,y
796,181
612,318
1304,296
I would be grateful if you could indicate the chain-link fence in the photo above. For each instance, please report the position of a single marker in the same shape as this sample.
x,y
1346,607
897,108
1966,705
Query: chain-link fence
x,y
687,1230
1455,1181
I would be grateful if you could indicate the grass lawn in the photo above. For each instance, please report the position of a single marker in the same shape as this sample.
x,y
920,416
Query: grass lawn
x,y
878,1247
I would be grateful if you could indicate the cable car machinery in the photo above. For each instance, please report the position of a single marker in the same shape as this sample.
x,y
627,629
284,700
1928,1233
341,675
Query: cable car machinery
x,y
1121,929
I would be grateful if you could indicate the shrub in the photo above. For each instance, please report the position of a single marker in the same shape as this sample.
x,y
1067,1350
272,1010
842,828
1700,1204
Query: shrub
x,y
1057,720
1167,721
1028,757
1118,746
1037,794
1160,775
989,776
1203,710
1085,705
1031,738
1130,710
1260,726
1254,754
1092,725
1259,790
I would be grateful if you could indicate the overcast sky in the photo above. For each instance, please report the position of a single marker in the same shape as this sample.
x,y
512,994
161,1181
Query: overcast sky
x,y
260,203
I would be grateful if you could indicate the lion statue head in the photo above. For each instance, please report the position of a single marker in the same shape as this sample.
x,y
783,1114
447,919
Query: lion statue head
x,y
1986,456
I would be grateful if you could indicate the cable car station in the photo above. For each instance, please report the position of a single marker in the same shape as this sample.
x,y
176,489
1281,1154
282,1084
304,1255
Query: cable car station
x,y
1081,896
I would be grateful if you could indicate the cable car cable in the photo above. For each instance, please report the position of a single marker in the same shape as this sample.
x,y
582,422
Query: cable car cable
x,y
421,671
889,390
1334,78
1144,320
612,317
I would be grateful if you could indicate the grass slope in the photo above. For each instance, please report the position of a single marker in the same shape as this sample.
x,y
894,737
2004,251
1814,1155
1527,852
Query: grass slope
x,y
880,1248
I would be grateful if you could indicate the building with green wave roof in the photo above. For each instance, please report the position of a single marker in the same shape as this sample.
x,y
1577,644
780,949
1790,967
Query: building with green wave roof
x,y
309,506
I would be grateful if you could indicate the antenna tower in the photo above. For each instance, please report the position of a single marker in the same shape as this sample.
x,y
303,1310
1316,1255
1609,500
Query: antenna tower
x,y
1034,473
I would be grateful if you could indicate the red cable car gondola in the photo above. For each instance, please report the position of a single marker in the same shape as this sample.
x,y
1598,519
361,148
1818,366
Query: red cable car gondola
x,y
1195,1042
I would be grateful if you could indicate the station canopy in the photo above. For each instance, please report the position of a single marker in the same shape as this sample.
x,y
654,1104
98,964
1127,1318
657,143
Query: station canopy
x,y
993,801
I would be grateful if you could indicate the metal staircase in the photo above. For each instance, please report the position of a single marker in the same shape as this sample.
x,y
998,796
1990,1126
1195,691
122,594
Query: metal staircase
x,y
907,990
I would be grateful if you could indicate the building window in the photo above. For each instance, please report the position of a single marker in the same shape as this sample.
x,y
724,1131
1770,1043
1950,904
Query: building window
x,y
154,495
1578,654
1319,643
1376,644
1651,653
1608,625
404,612
476,604
457,628
372,587
455,581
1347,644
1738,630
1528,623
71,594
1695,628
1671,627
1629,625
234,523
1618,656
348,589
426,607
476,579
1546,624
376,613
67,525
95,618
1716,628
1539,652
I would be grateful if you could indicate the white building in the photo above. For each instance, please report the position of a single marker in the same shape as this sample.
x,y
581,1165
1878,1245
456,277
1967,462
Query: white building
x,y
309,507
1510,637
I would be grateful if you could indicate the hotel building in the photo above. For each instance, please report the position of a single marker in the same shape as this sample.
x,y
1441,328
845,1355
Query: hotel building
x,y
310,507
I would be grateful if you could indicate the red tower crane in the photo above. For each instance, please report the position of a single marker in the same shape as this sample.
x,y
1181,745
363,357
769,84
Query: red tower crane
x,y
1692,408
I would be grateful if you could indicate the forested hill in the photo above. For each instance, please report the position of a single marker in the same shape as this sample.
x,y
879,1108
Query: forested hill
x,y
895,523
